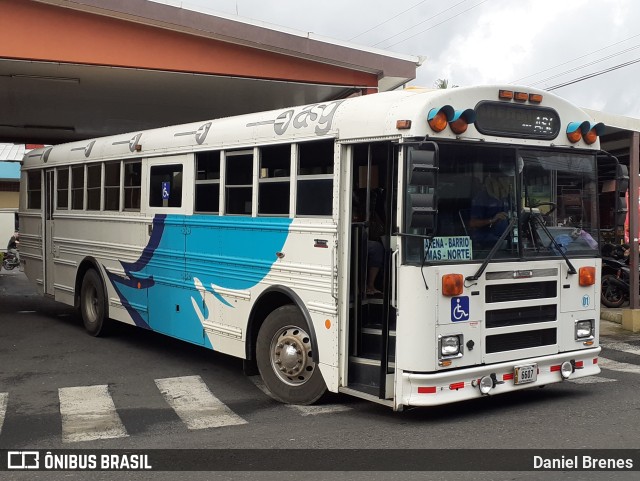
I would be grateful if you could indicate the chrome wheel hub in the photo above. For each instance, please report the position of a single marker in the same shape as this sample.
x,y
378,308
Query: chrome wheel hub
x,y
292,355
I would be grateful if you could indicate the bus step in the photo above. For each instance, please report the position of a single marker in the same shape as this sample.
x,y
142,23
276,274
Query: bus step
x,y
370,341
364,374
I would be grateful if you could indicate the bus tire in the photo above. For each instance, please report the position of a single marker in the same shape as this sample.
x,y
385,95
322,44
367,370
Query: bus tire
x,y
93,304
286,358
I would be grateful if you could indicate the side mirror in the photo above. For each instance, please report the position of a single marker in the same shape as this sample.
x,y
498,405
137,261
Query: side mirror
x,y
622,186
421,182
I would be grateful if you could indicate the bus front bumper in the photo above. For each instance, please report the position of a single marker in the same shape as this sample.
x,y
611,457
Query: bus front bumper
x,y
432,389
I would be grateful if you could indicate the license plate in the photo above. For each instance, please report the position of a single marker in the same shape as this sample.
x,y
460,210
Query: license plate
x,y
525,374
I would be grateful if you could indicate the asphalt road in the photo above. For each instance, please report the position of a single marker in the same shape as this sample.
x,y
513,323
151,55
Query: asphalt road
x,y
46,356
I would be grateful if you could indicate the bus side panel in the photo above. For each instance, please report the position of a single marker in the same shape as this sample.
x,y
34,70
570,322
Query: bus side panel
x,y
308,267
31,248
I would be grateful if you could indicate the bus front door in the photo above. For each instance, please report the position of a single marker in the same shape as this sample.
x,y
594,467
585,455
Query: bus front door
x,y
371,316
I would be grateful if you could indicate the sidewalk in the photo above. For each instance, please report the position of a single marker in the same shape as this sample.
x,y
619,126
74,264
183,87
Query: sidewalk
x,y
611,324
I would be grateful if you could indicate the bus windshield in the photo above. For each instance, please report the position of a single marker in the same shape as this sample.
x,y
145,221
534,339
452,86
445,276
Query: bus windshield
x,y
551,196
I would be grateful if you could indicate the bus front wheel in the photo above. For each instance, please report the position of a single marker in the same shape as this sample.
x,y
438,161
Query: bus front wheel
x,y
92,304
286,358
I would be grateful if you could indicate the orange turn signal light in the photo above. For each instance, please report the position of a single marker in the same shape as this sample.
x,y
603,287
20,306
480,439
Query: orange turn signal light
x,y
439,122
587,276
591,136
403,124
452,284
459,126
574,136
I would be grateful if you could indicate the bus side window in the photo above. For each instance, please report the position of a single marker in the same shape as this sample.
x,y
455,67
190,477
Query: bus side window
x,y
77,187
274,186
111,192
34,189
165,185
63,188
132,183
207,182
315,178
238,182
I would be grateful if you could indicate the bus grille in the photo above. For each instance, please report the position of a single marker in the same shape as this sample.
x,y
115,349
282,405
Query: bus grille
x,y
520,291
520,340
520,315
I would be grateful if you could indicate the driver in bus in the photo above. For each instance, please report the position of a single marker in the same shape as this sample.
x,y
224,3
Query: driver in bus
x,y
489,216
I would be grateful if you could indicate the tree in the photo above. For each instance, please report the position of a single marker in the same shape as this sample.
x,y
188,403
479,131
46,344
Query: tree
x,y
443,83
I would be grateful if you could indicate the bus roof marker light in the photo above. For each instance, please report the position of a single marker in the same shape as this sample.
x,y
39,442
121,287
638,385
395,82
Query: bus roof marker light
x,y
461,120
505,94
521,96
535,98
439,118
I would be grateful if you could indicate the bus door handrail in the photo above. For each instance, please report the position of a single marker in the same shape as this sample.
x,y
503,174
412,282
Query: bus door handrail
x,y
393,298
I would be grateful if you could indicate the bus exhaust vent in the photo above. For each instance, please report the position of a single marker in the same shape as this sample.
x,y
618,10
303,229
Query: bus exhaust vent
x,y
520,340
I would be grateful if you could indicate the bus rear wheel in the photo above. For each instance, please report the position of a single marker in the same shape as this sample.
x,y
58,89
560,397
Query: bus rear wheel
x,y
92,304
286,358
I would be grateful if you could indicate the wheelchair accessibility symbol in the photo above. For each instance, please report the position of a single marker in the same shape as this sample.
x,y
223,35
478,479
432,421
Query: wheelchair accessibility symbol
x,y
166,190
460,309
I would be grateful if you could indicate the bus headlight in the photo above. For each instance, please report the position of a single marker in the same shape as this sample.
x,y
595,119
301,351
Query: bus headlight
x,y
450,346
584,329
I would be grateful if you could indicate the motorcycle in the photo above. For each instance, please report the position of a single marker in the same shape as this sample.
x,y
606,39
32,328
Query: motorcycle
x,y
10,261
615,284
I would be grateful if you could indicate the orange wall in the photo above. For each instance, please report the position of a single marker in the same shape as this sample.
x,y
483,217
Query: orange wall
x,y
35,31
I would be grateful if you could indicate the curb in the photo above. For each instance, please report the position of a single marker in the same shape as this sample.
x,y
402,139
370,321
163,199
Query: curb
x,y
613,315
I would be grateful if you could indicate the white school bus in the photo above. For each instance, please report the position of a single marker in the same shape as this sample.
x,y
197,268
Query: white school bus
x,y
413,248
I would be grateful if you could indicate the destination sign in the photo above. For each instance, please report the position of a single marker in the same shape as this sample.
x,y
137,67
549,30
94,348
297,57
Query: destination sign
x,y
456,248
513,120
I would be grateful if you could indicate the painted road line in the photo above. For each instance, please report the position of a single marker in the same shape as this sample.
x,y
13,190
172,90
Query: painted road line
x,y
591,380
191,399
303,410
4,399
621,346
618,366
88,413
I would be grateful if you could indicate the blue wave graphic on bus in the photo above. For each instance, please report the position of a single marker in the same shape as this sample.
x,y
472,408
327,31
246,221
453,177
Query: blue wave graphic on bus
x,y
171,286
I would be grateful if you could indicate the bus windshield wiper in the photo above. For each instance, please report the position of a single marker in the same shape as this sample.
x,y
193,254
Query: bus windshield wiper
x,y
538,218
493,250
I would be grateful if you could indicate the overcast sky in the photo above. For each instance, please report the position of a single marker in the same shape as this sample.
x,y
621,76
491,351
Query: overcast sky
x,y
541,43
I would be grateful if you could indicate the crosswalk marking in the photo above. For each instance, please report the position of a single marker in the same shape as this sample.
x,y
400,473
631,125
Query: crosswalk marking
x,y
4,399
88,413
303,410
618,366
591,380
621,346
191,399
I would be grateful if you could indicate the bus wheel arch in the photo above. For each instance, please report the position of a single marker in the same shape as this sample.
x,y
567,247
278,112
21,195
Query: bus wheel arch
x,y
91,298
284,347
